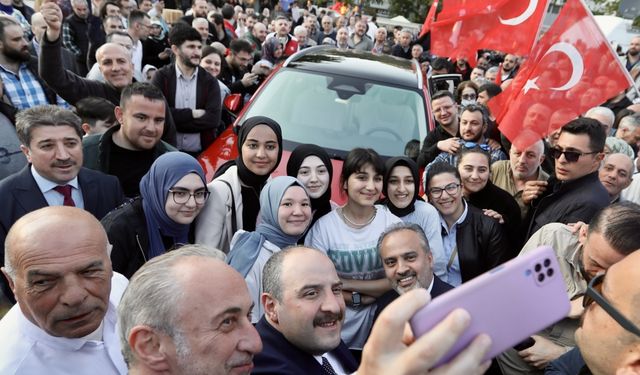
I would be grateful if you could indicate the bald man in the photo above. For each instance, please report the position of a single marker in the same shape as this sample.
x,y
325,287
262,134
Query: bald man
x,y
615,174
65,318
115,65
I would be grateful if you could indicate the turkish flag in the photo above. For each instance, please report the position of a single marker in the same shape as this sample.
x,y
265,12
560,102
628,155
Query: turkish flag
x,y
464,26
571,69
426,27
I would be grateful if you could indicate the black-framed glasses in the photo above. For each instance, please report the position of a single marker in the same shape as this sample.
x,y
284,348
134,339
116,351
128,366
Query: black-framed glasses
x,y
594,294
571,156
470,145
183,196
451,189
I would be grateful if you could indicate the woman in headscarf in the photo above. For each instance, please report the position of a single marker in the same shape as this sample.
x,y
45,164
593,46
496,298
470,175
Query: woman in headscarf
x,y
401,190
285,214
311,165
172,194
236,187
271,52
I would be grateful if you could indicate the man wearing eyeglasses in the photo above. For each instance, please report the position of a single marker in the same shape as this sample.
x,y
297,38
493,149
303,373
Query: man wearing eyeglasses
x,y
575,193
612,234
608,337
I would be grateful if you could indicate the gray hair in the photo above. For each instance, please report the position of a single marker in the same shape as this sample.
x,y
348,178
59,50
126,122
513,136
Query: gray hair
x,y
619,146
602,111
415,228
153,295
45,115
630,122
272,271
299,30
493,69
199,20
79,2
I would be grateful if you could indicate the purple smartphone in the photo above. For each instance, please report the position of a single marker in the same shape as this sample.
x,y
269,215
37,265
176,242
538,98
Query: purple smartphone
x,y
508,303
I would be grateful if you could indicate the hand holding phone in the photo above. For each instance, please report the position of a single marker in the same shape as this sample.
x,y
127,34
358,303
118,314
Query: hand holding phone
x,y
509,303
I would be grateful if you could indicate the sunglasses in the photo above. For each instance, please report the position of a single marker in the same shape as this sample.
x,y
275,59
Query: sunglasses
x,y
482,146
571,156
594,294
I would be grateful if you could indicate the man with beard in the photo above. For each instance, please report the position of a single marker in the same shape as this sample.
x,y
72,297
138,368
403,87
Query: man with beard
x,y
359,40
612,234
234,71
445,138
633,53
51,139
304,313
509,67
192,93
473,126
19,71
256,37
289,43
408,263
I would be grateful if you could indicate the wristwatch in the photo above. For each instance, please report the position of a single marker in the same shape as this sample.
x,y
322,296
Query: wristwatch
x,y
355,299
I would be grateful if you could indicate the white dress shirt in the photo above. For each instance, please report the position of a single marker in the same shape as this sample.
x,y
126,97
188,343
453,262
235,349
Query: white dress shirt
x,y
26,349
54,198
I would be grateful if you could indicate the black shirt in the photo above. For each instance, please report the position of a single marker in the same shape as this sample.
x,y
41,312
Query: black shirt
x,y
129,166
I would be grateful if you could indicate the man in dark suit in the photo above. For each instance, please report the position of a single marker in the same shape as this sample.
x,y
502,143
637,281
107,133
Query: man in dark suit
x,y
192,93
304,313
51,139
408,263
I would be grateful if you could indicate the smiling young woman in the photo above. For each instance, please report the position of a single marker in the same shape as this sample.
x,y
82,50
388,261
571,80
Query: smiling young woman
x,y
349,236
235,190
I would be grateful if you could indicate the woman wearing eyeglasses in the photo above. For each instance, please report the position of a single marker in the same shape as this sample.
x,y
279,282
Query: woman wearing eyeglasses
x,y
477,189
172,194
349,236
473,242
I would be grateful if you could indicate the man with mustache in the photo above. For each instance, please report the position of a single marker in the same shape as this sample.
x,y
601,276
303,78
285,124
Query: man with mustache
x,y
612,234
51,139
304,313
408,263
58,266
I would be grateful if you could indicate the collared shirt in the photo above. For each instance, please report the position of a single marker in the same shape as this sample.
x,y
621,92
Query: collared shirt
x,y
27,349
333,361
186,91
136,56
568,251
452,275
502,177
24,89
36,46
54,198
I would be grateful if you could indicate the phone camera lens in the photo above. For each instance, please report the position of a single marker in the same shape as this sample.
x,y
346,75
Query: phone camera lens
x,y
541,277
550,272
538,267
547,262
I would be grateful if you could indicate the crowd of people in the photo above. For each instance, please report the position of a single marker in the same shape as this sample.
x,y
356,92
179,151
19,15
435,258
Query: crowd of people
x,y
119,256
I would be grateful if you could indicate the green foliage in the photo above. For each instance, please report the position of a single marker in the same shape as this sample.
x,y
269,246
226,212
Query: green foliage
x,y
413,10
605,7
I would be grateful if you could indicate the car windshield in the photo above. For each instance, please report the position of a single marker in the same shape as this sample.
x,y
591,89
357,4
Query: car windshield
x,y
342,113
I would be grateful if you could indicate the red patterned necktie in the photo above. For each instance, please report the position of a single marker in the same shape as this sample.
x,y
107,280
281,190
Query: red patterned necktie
x,y
66,192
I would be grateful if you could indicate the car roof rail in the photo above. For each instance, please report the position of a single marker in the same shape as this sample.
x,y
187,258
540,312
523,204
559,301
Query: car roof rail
x,y
306,51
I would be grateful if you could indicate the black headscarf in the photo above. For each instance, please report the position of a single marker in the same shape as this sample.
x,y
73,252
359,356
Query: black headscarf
x,y
322,204
252,183
413,167
246,176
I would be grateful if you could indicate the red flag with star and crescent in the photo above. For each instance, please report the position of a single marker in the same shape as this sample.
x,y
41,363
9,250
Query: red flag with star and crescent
x,y
571,69
464,26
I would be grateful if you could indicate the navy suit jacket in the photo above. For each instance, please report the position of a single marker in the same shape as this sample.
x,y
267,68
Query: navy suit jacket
x,y
19,195
439,287
280,357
